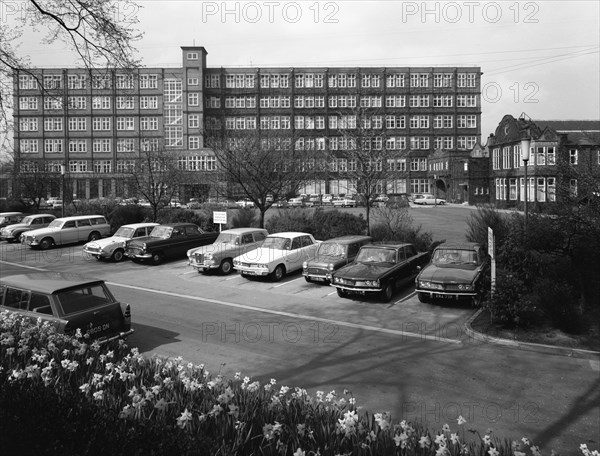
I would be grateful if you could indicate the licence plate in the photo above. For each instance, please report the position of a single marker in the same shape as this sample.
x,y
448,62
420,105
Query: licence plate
x,y
443,296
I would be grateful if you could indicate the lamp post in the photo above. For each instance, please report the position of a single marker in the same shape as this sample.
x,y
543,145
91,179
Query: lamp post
x,y
525,145
63,170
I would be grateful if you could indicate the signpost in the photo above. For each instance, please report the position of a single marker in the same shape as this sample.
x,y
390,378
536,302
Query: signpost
x,y
492,254
220,217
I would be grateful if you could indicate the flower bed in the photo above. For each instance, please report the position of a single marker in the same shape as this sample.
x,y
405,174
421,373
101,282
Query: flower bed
x,y
62,395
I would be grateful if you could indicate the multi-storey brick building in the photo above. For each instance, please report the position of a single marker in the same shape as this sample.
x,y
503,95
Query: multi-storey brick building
x,y
96,122
559,152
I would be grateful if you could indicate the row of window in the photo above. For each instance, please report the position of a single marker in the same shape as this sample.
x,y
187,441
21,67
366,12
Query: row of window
x,y
337,80
31,146
540,189
97,81
511,157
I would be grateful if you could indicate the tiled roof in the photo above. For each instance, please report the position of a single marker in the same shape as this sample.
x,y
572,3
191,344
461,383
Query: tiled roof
x,y
569,125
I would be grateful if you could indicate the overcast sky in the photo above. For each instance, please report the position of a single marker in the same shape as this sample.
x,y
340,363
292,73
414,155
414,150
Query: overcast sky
x,y
539,57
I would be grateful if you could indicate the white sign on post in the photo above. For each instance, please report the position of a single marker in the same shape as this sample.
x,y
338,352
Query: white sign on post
x,y
492,253
220,217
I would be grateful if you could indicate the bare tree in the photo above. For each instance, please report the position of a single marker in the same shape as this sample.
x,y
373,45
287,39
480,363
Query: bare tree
x,y
155,176
99,32
262,166
365,158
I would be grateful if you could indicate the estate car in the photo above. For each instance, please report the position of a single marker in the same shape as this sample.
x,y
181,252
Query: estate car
x,y
68,301
8,218
68,230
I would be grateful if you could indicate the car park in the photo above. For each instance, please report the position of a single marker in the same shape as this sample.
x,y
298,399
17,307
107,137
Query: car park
x,y
457,271
220,254
114,247
70,302
67,230
279,254
171,240
379,269
331,255
9,218
425,200
12,233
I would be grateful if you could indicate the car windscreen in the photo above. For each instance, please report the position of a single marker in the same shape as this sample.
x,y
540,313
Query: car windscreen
x,y
279,243
227,238
82,299
376,255
27,220
331,249
162,232
125,232
56,223
454,256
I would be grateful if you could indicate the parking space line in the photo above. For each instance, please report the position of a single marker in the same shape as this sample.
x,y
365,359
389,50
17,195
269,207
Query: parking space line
x,y
285,283
347,324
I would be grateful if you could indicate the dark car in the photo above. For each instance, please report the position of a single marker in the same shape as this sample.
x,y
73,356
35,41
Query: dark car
x,y
171,240
379,269
331,255
457,271
69,302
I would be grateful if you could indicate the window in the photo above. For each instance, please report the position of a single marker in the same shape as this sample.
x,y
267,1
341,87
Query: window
x,y
173,90
466,121
77,103
192,56
101,123
77,81
52,103
194,142
419,122
506,155
28,124
77,124
53,146
101,81
540,189
193,99
212,81
76,166
101,145
124,166
395,101
27,81
443,142
551,156
442,121
573,187
148,81
193,81
420,186
573,156
442,101
419,80
419,101
125,102
419,142
342,80
148,123
512,189
125,123
370,80
53,124
551,189
193,121
100,102
466,79
102,166
442,80
28,103
466,142
418,164
466,101
241,81
148,102
28,146
52,81
395,80
125,145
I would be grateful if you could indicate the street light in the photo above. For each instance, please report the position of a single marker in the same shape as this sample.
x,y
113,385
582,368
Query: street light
x,y
63,170
525,145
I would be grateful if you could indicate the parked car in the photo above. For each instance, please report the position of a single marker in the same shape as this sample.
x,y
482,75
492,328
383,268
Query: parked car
x,y
67,230
114,247
279,254
379,269
343,202
331,255
457,271
12,233
281,203
69,302
9,218
171,240
230,244
429,200
326,200
295,202
379,201
244,203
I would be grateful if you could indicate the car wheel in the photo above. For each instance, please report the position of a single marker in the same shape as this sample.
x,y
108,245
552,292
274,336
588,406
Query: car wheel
x,y
118,255
308,279
226,266
423,297
157,258
341,293
94,236
46,243
387,292
278,273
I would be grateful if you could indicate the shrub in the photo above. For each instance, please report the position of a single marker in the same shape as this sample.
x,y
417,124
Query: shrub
x,y
292,219
124,215
178,215
510,304
330,224
478,222
559,300
244,217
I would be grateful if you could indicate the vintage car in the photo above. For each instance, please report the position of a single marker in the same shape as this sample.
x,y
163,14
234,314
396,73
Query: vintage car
x,y
278,255
69,301
220,254
425,200
171,240
379,269
67,230
114,247
9,218
12,233
457,271
331,255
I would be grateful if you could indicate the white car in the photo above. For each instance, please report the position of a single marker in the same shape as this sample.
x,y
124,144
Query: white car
x,y
429,200
343,202
279,254
244,203
114,247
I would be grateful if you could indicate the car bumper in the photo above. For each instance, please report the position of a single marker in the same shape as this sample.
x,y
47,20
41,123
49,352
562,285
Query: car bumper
x,y
317,277
252,271
357,290
139,256
438,294
7,238
202,265
97,254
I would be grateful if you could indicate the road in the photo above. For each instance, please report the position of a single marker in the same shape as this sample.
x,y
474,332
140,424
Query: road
x,y
405,357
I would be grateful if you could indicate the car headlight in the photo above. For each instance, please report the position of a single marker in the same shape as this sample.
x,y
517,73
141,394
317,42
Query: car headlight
x,y
367,283
426,284
466,286
305,265
236,262
330,267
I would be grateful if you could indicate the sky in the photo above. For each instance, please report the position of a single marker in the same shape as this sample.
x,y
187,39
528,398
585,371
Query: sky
x,y
540,58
